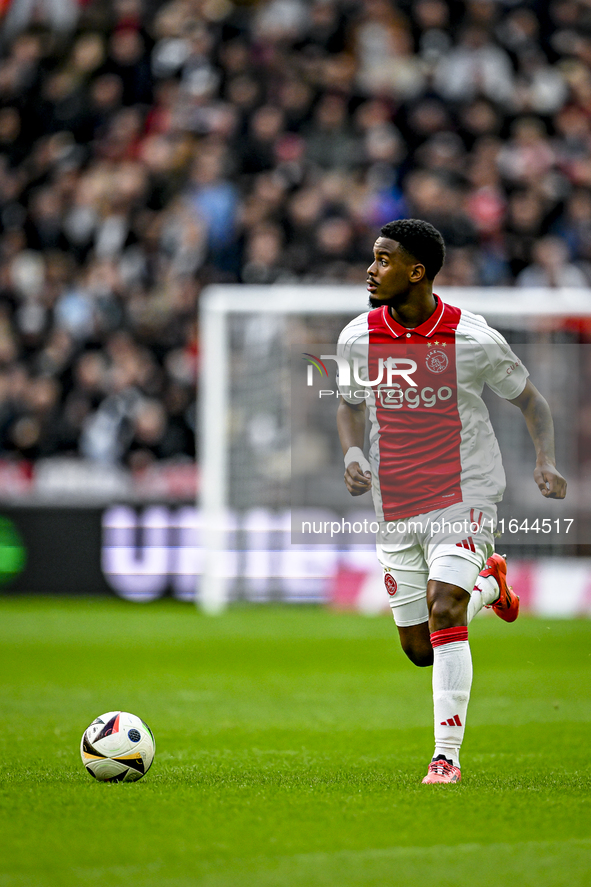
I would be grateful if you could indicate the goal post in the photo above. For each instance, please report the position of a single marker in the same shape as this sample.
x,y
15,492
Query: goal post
x,y
246,333
218,306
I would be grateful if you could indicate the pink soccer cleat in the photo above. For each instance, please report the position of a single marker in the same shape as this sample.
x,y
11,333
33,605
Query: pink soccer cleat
x,y
442,770
507,604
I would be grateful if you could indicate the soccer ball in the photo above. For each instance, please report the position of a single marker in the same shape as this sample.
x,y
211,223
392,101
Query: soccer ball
x,y
117,747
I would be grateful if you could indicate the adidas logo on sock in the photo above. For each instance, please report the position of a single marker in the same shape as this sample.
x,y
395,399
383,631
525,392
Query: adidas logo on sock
x,y
452,722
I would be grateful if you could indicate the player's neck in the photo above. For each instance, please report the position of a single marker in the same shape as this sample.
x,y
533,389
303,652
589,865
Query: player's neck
x,y
414,310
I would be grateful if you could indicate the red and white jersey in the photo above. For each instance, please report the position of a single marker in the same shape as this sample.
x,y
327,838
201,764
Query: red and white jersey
x,y
431,441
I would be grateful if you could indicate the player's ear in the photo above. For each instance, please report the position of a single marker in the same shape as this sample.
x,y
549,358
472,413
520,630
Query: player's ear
x,y
417,273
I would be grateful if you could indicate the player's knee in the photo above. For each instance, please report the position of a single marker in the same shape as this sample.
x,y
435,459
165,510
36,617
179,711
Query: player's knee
x,y
419,655
442,608
447,608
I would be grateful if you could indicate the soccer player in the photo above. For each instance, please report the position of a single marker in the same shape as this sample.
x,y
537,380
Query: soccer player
x,y
418,367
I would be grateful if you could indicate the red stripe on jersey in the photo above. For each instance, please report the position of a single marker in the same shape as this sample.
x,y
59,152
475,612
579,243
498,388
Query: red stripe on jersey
x,y
419,424
474,520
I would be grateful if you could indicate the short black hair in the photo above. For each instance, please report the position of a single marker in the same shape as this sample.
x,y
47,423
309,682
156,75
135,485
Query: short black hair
x,y
421,240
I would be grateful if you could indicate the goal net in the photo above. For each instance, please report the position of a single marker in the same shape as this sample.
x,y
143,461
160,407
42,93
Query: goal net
x,y
268,442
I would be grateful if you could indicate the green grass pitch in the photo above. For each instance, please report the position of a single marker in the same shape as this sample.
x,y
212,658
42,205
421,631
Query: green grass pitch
x,y
291,743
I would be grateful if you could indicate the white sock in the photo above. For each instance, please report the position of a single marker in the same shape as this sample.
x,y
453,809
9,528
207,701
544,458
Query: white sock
x,y
485,592
452,679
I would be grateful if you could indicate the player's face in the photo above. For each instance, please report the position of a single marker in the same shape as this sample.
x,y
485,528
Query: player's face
x,y
391,272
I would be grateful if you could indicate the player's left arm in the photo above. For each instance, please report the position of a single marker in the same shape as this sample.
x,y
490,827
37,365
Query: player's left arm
x,y
538,419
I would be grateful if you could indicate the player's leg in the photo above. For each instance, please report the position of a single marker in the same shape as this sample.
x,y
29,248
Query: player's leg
x,y
415,640
411,615
452,578
452,659
447,602
482,594
405,580
464,576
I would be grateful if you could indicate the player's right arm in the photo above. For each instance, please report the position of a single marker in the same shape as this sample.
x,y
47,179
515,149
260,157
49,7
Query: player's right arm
x,y
353,341
351,428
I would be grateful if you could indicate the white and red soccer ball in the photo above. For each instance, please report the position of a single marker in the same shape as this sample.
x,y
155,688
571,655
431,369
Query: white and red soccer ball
x,y
117,747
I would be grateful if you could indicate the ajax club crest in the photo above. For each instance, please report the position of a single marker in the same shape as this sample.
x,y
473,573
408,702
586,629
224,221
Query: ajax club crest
x,y
391,584
436,360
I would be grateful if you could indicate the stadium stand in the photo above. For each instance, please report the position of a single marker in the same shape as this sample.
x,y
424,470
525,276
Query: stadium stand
x,y
148,149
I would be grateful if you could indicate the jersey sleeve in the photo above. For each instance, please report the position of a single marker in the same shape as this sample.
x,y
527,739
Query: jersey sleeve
x,y
351,344
504,373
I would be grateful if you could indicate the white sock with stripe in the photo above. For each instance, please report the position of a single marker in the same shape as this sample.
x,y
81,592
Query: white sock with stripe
x,y
452,680
485,592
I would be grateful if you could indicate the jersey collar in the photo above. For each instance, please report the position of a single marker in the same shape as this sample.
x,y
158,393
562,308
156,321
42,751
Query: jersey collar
x,y
425,329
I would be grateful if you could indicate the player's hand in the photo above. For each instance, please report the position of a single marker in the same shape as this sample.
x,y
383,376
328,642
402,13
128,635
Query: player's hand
x,y
550,482
356,481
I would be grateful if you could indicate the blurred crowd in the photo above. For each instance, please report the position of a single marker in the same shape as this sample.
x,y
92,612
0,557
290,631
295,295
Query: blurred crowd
x,y
148,149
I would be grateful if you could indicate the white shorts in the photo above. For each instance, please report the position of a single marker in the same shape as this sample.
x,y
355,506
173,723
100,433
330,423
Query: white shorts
x,y
450,544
